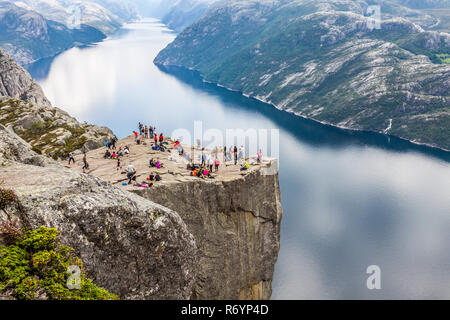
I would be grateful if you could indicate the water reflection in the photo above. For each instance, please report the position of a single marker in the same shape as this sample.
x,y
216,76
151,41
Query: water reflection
x,y
351,199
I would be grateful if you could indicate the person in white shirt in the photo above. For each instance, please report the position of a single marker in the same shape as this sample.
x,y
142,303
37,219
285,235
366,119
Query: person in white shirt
x,y
131,173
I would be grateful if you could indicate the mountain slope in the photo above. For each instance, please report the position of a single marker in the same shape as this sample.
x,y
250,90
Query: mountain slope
x,y
321,60
28,36
50,131
105,15
182,13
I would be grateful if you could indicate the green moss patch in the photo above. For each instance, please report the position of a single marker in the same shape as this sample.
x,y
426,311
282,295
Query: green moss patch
x,y
36,265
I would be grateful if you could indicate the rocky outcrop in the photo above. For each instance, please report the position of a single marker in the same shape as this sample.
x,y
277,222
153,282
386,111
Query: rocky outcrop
x,y
130,246
13,148
16,83
236,225
25,109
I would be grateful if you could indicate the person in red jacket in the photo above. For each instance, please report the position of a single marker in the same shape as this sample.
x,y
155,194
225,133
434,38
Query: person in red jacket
x,y
161,138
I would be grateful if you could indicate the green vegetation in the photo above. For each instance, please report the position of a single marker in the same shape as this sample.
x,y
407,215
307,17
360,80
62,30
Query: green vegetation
x,y
35,265
445,58
41,135
57,37
321,68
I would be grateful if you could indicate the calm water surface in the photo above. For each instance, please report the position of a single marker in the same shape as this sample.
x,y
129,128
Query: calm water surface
x,y
350,200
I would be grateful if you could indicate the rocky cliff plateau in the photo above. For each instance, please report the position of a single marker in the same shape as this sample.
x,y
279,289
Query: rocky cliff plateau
x,y
131,246
221,243
182,239
234,218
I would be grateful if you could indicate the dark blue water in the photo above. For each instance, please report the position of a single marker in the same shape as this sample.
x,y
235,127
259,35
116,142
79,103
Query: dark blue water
x,y
350,199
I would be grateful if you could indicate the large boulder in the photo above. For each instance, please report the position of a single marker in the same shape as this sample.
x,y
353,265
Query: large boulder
x,y
130,246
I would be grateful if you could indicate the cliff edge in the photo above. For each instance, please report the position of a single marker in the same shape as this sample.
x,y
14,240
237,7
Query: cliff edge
x,y
131,246
235,217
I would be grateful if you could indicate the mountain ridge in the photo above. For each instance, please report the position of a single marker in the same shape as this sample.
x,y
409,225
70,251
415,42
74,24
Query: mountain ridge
x,y
328,66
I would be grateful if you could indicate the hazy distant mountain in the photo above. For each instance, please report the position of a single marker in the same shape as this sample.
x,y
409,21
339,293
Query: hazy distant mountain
x,y
28,36
34,29
182,13
69,12
126,10
323,60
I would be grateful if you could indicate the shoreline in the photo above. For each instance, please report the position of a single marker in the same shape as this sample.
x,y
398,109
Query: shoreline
x,y
324,123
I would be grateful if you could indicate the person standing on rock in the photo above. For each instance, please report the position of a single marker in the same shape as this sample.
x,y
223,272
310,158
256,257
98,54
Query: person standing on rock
x,y
151,132
235,155
131,173
241,153
203,157
210,163
71,158
85,163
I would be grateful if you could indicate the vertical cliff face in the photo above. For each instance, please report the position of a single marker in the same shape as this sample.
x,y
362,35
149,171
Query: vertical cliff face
x,y
236,225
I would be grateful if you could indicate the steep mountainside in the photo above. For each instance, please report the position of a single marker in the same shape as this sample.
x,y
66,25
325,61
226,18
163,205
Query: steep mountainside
x,y
236,225
323,60
16,83
25,109
183,13
27,36
104,15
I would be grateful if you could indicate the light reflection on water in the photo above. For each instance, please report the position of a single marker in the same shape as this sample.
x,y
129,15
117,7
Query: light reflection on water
x,y
350,199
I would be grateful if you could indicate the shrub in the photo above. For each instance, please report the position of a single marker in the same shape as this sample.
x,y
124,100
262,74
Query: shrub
x,y
7,197
37,265
11,231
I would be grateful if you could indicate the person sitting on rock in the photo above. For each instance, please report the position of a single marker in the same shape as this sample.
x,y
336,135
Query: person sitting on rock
x,y
245,166
158,177
152,163
159,164
107,154
120,152
126,150
260,156
217,164
114,155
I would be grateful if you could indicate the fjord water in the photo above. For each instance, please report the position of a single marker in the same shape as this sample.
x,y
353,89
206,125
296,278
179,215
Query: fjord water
x,y
350,200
